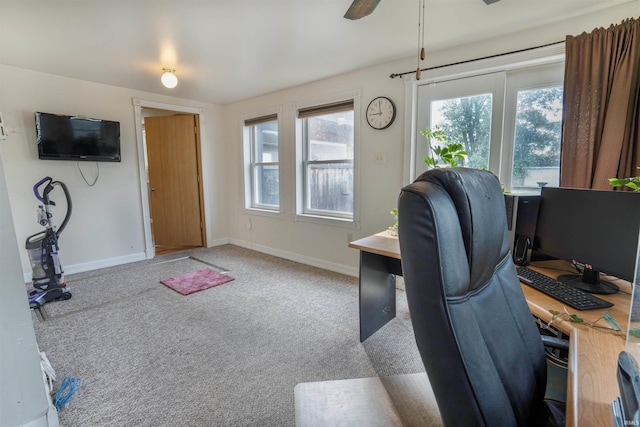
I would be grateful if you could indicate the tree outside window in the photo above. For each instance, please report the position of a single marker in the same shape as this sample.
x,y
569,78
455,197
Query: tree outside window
x,y
538,129
536,157
467,121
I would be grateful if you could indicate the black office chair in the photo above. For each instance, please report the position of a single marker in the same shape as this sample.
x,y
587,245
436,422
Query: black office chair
x,y
478,341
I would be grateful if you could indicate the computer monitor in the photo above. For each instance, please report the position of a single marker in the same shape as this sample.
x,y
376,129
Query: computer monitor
x,y
594,228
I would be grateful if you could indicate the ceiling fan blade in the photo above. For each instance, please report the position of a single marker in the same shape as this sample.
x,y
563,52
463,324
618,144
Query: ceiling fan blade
x,y
361,8
490,1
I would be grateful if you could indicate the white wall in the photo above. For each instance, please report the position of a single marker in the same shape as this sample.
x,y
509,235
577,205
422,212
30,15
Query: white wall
x,y
327,246
23,399
323,245
106,226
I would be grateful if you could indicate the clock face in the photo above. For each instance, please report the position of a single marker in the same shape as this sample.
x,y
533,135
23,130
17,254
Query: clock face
x,y
381,112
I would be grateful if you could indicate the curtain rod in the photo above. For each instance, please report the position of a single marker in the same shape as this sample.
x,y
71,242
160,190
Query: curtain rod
x,y
394,75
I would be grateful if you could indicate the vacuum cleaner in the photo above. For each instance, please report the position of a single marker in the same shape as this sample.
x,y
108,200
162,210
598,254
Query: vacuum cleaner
x,y
47,273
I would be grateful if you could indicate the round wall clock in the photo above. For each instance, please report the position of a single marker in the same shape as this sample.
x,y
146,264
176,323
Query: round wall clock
x,y
381,113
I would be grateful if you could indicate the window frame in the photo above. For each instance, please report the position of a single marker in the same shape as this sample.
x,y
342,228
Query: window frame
x,y
469,86
301,196
520,62
541,77
251,204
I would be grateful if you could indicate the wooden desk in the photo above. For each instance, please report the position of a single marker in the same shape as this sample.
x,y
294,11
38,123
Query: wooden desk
x,y
379,265
593,352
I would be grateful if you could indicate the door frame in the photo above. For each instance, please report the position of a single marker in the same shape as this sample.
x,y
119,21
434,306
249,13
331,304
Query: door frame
x,y
138,105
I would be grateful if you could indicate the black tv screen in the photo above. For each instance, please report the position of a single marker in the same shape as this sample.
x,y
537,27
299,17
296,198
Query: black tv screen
x,y
77,138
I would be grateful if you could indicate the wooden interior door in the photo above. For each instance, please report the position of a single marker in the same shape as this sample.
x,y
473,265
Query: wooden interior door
x,y
174,183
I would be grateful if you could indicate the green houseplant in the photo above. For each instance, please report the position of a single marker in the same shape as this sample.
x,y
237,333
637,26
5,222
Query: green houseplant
x,y
443,154
632,182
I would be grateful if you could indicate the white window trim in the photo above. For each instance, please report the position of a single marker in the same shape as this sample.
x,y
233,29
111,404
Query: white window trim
x,y
505,63
246,165
486,83
517,80
299,195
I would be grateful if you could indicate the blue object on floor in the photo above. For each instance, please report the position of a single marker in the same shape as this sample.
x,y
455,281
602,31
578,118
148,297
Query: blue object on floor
x,y
70,385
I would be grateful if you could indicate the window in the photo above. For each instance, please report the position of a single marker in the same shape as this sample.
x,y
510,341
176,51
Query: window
x,y
466,120
326,161
469,111
533,129
538,130
262,169
509,121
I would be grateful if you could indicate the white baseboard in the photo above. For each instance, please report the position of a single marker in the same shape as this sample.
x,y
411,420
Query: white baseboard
x,y
314,262
109,262
219,242
94,265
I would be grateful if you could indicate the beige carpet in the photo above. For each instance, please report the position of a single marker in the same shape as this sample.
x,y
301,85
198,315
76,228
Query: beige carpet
x,y
226,356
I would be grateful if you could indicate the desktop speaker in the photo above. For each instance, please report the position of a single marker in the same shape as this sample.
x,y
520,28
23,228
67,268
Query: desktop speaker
x,y
511,204
522,250
522,214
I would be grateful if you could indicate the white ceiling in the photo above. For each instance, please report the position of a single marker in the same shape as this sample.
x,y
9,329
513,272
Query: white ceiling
x,y
228,50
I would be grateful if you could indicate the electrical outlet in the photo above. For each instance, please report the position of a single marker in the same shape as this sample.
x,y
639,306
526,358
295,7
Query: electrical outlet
x,y
249,224
379,158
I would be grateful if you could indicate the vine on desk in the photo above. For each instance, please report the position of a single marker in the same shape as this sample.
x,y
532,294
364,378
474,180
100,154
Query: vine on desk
x,y
576,318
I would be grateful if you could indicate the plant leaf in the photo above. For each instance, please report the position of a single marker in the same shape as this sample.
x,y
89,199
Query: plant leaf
x,y
627,182
610,319
430,161
635,332
554,312
575,318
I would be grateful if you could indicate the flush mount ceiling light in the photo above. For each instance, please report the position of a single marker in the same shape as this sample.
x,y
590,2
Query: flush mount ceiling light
x,y
168,78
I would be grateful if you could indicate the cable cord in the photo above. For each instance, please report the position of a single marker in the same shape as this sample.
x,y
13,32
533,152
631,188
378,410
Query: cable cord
x,y
85,179
48,371
69,385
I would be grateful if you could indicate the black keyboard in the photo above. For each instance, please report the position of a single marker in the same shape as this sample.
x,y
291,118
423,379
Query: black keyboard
x,y
576,298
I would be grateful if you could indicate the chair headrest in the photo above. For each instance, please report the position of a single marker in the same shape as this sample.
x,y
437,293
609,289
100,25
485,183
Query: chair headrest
x,y
479,202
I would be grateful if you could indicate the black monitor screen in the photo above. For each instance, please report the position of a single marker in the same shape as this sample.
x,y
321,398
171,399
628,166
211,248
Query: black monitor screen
x,y
595,228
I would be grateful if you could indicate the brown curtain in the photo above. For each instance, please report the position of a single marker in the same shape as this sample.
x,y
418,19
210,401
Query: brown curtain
x,y
600,130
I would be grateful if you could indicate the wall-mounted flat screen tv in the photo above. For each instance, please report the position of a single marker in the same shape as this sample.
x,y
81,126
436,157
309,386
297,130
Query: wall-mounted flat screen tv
x,y
77,138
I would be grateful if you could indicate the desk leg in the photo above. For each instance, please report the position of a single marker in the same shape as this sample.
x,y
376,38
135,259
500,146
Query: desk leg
x,y
377,293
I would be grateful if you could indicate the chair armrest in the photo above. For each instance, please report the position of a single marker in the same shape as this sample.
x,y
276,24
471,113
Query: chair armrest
x,y
554,342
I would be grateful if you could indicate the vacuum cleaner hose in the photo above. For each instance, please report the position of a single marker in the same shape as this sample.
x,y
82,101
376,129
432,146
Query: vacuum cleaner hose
x,y
69,206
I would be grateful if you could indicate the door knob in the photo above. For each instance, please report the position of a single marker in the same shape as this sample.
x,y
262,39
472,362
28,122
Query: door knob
x,y
153,188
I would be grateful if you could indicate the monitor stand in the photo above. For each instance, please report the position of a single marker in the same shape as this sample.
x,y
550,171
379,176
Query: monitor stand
x,y
590,282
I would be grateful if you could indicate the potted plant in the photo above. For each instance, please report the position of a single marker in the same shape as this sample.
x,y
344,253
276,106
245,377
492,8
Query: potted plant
x,y
446,153
633,182
443,154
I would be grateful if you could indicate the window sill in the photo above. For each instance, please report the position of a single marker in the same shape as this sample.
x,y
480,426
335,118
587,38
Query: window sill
x,y
264,212
326,220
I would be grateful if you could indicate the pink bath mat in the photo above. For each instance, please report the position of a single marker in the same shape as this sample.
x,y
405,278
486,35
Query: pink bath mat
x,y
189,283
